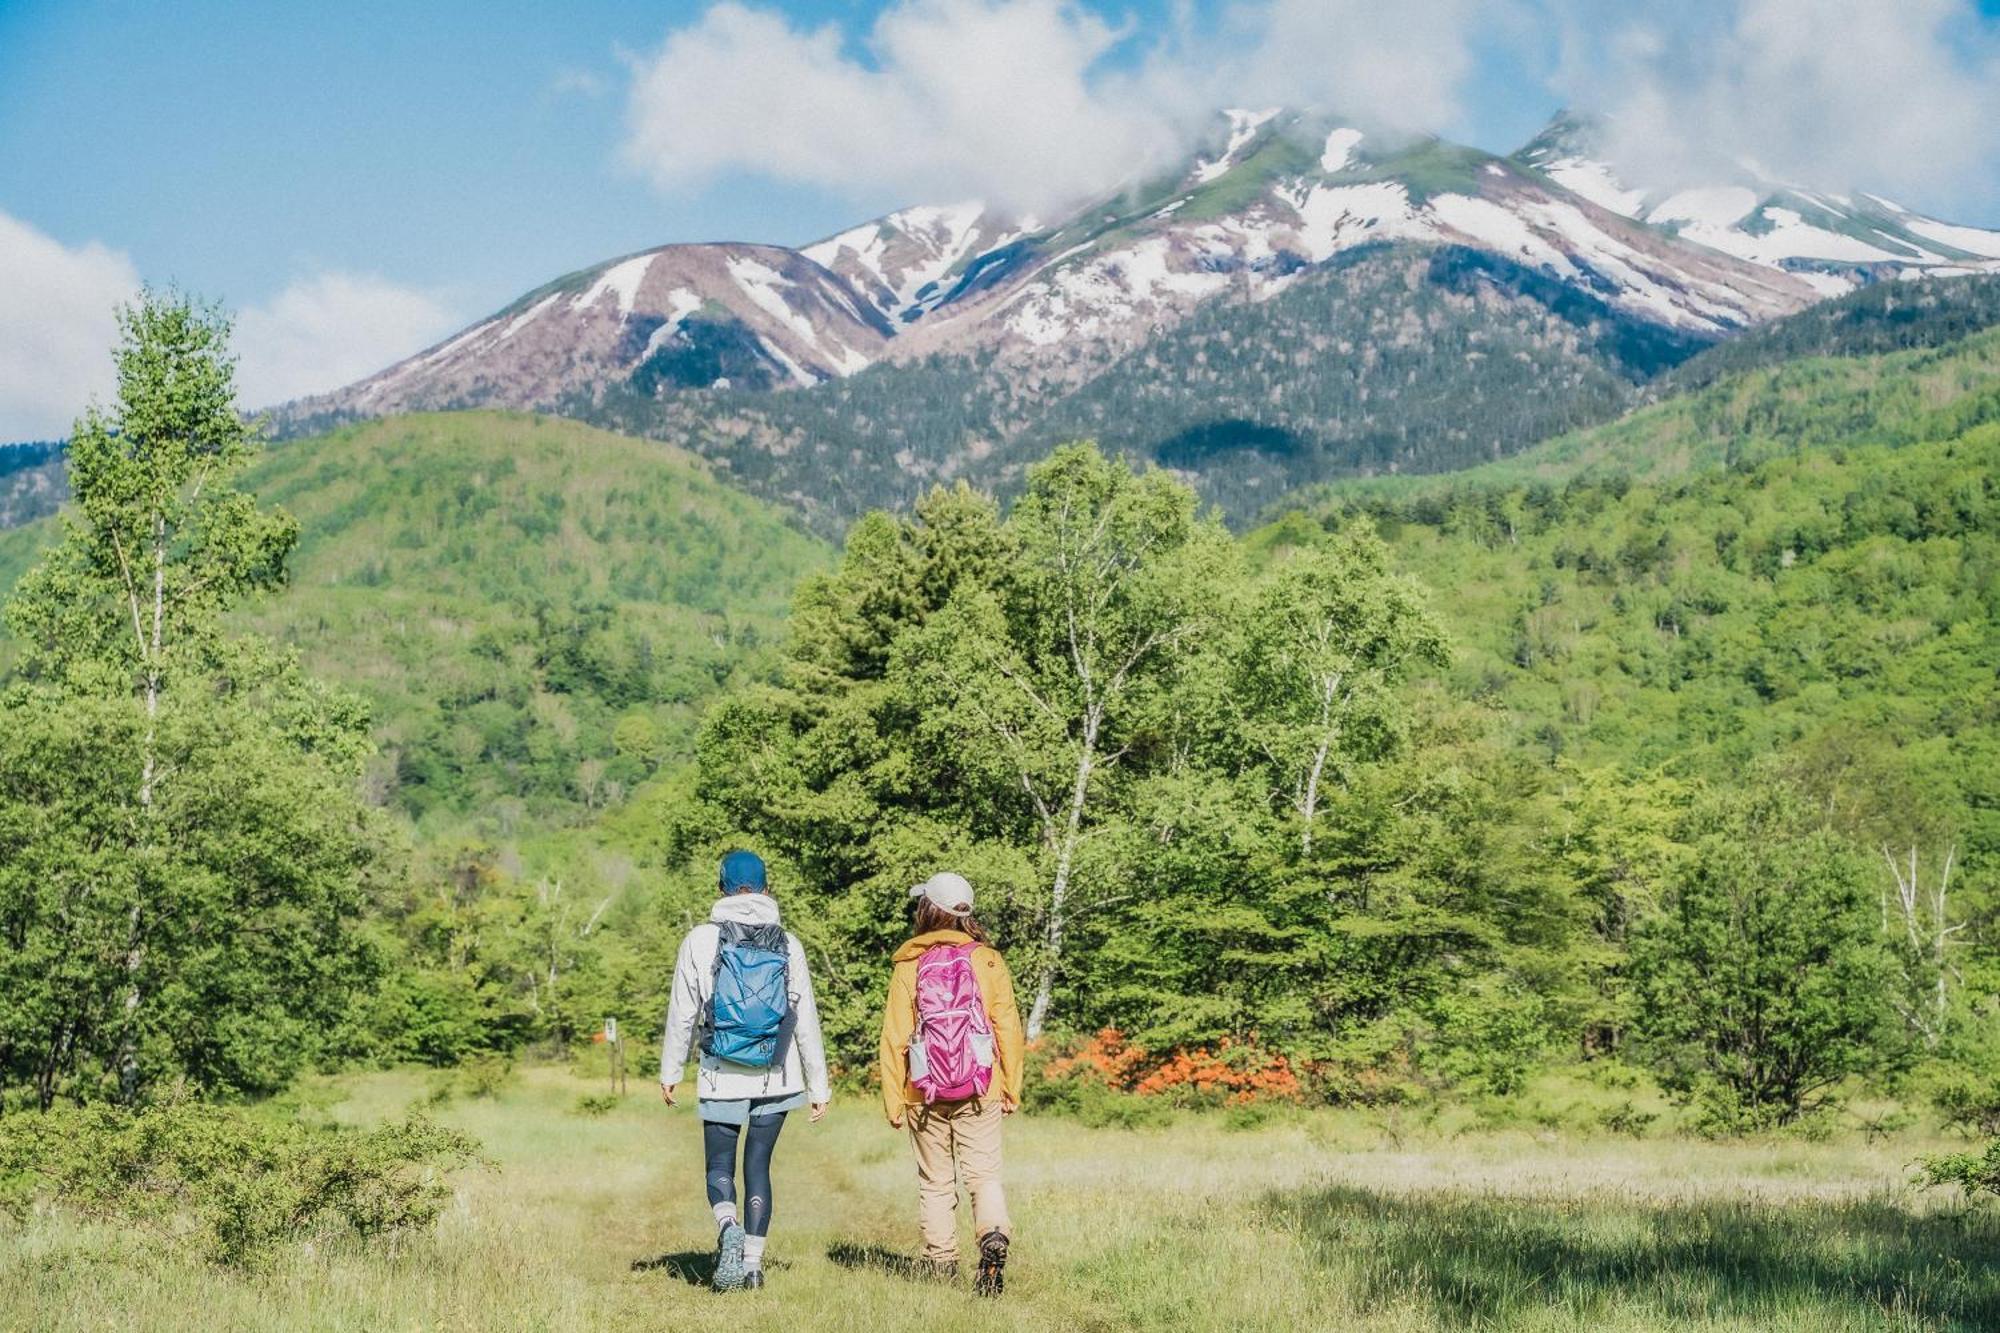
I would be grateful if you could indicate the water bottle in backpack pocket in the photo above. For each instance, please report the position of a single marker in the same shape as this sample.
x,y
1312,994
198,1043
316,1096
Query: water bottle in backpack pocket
x,y
749,995
951,1051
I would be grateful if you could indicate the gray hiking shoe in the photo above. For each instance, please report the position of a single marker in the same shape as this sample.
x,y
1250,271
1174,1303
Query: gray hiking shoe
x,y
729,1269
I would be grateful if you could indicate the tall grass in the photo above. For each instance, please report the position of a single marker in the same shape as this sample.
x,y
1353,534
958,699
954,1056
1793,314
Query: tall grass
x,y
1320,1221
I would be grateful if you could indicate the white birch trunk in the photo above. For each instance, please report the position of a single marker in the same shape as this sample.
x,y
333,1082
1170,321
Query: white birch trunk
x,y
1052,940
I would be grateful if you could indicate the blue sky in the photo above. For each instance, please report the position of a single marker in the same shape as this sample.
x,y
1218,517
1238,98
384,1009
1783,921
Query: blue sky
x,y
472,145
360,175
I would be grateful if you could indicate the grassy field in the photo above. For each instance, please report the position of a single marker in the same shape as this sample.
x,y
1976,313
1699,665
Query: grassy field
x,y
1320,1221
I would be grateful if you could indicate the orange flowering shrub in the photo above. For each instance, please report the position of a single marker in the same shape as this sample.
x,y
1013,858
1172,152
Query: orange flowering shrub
x,y
1236,1073
1105,1055
1233,1073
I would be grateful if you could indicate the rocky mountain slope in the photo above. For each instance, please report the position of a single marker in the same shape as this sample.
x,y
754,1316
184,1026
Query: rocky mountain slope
x,y
682,316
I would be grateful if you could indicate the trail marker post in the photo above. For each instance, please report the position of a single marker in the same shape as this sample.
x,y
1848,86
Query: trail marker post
x,y
617,1055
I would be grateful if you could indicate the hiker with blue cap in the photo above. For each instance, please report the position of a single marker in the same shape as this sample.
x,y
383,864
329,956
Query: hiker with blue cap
x,y
742,996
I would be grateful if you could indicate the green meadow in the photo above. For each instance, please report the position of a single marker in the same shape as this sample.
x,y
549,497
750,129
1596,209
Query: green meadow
x,y
1302,1220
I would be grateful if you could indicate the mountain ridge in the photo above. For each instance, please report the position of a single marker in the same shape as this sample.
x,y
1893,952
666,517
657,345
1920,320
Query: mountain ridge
x,y
1537,292
1271,195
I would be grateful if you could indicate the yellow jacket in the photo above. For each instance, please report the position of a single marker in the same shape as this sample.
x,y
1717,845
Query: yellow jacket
x,y
899,1020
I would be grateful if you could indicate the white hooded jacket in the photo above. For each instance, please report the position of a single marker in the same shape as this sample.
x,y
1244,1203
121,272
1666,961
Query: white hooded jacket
x,y
803,1068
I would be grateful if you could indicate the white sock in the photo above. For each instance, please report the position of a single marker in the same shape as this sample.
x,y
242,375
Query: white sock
x,y
753,1251
725,1213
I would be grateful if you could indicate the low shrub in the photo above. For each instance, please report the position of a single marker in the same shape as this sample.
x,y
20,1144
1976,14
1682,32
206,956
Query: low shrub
x,y
1973,1173
231,1184
1233,1074
1967,1102
1627,1118
486,1076
597,1103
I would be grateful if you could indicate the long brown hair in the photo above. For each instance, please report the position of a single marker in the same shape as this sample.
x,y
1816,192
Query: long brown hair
x,y
931,917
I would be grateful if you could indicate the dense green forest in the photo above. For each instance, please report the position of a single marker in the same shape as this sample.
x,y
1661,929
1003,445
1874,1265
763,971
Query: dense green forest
x,y
1428,786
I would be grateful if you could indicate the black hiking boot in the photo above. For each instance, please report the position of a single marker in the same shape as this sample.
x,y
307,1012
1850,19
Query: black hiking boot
x,y
753,1280
992,1279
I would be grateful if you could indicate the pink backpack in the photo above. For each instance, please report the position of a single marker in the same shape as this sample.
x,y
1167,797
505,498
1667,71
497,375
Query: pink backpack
x,y
951,1052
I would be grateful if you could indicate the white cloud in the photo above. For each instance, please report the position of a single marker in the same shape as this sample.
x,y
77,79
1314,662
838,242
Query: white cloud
x,y
329,330
964,96
58,328
1406,63
1028,103
1032,103
58,324
1891,95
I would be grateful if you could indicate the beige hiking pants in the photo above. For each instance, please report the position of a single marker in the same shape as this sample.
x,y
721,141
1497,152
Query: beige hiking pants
x,y
957,1142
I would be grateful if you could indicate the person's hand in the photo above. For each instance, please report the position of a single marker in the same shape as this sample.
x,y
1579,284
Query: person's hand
x,y
1008,1105
895,1122
667,1094
818,1113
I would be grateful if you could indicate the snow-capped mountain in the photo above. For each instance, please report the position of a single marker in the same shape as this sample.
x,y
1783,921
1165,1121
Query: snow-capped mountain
x,y
682,316
1282,194
901,262
1273,196
1833,241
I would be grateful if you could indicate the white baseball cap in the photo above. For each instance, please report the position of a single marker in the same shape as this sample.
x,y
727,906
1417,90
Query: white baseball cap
x,y
947,891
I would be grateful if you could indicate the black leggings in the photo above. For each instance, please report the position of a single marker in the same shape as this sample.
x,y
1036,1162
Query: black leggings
x,y
761,1138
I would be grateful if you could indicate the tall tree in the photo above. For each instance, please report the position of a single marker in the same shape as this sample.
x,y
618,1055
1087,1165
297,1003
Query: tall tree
x,y
1762,986
1063,673
209,846
1328,637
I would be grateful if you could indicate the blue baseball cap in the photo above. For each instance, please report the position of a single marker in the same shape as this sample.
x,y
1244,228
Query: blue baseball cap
x,y
743,872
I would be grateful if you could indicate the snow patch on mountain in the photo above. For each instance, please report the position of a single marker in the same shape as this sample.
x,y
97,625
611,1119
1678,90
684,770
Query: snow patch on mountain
x,y
1108,292
1787,235
900,261
1243,127
1594,181
1818,236
528,316
621,280
1333,218
1487,225
1339,149
680,304
1972,240
769,290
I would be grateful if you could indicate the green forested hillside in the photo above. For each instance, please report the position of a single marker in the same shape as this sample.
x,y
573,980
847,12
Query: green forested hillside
x,y
1895,316
1816,402
534,609
1840,604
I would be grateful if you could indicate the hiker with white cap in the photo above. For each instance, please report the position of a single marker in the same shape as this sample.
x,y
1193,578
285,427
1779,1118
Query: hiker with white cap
x,y
951,1053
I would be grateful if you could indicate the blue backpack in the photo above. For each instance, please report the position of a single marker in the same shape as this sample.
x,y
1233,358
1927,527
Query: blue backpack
x,y
749,996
